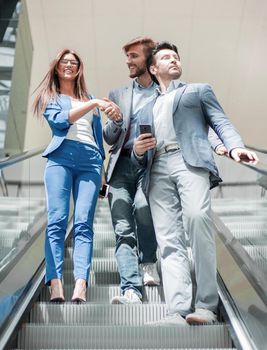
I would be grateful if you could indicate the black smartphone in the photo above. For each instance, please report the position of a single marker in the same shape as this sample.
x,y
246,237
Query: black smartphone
x,y
145,129
104,191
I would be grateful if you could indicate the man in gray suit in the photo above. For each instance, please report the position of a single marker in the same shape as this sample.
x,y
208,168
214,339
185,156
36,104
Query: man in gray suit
x,y
131,217
180,170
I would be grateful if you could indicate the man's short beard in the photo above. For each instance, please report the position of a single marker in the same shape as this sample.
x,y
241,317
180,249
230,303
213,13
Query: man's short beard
x,y
177,75
140,71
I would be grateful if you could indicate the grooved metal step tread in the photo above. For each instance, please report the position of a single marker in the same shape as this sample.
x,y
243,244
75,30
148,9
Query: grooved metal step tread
x,y
6,242
257,250
103,228
22,200
259,255
141,349
133,337
97,314
98,244
98,265
102,277
100,236
252,230
18,218
105,221
3,252
104,294
249,226
13,225
103,237
235,212
235,202
107,252
244,219
250,239
239,209
21,211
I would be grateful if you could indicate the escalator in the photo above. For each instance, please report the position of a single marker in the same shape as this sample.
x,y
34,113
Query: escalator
x,y
99,325
241,227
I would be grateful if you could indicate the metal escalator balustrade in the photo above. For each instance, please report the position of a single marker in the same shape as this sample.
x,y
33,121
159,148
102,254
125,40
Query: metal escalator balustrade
x,y
22,223
248,223
241,220
22,205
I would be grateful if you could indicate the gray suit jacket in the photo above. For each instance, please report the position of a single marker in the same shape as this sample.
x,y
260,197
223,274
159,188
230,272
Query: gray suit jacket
x,y
115,133
195,109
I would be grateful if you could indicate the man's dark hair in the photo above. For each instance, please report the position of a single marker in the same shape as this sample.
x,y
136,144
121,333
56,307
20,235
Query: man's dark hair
x,y
163,45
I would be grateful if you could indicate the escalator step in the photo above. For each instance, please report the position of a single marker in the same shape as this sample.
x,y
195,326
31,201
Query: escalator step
x,y
102,227
101,264
259,255
237,203
97,314
13,225
103,294
249,232
244,219
133,337
257,250
101,277
142,349
98,265
107,251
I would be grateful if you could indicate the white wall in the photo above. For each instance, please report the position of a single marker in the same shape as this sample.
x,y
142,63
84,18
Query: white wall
x,y
220,42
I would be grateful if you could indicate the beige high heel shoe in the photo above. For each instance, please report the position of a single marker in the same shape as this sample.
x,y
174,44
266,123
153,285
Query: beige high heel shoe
x,y
79,293
56,291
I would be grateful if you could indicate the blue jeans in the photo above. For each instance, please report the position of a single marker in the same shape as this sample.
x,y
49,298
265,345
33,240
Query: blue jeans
x,y
132,222
75,167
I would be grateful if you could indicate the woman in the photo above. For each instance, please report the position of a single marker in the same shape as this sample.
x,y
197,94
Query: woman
x,y
75,158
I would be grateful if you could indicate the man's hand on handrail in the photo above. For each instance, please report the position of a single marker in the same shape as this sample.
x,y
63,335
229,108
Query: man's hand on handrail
x,y
244,155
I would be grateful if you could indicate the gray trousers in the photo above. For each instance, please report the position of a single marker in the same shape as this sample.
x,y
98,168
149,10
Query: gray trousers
x,y
179,199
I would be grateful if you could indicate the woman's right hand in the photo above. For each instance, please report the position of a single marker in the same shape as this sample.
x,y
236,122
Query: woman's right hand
x,y
105,105
110,109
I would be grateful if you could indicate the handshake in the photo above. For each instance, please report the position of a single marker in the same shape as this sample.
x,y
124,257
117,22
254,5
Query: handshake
x,y
111,110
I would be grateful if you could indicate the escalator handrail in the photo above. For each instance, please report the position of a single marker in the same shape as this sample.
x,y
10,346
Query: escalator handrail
x,y
256,149
260,167
10,160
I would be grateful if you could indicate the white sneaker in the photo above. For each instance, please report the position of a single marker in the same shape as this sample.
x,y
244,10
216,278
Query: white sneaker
x,y
170,320
150,274
201,316
129,297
